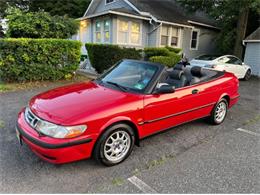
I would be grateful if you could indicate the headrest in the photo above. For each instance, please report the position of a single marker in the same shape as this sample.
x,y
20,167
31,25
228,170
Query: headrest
x,y
196,71
176,74
179,66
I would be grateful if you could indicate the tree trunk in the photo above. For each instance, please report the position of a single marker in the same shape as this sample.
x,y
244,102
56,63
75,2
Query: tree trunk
x,y
241,31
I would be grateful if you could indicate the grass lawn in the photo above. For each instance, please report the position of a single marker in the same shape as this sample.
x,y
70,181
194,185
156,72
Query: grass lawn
x,y
7,87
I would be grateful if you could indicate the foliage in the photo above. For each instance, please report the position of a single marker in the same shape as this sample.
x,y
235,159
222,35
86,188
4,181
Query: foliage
x,y
103,56
167,56
38,59
72,8
169,61
156,51
39,25
1,32
175,50
231,17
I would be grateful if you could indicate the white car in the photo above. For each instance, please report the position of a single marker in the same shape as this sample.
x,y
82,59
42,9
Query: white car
x,y
226,63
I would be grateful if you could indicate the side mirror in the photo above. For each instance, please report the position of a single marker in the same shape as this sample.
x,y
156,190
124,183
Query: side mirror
x,y
165,89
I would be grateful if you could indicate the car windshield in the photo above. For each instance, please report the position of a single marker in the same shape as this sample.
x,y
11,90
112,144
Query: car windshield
x,y
130,75
207,57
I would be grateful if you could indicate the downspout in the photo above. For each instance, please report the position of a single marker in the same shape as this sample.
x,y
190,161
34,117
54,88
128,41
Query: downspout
x,y
155,28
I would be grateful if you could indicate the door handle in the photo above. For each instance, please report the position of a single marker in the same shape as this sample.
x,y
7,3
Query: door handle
x,y
195,91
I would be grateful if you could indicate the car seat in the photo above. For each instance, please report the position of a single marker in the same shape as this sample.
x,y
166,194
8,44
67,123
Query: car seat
x,y
177,78
197,75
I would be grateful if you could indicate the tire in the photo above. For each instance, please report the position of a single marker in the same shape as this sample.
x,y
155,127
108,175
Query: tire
x,y
114,145
247,75
217,117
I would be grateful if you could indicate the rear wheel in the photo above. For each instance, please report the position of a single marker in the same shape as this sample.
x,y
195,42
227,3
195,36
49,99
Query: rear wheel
x,y
115,145
219,112
247,75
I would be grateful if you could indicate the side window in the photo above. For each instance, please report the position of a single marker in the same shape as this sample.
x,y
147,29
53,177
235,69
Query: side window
x,y
223,60
237,61
234,61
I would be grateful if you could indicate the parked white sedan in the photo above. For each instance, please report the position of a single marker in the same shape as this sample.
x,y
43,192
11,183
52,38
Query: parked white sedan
x,y
226,63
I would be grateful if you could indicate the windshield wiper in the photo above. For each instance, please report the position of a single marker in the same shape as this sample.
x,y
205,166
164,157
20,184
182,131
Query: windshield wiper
x,y
118,86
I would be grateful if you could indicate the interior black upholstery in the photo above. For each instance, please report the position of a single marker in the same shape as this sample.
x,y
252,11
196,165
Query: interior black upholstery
x,y
176,78
181,76
179,67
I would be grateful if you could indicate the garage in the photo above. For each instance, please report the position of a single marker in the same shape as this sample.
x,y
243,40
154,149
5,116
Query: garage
x,y
252,53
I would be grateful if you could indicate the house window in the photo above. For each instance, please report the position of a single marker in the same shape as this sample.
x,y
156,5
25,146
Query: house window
x,y
170,36
123,32
165,35
129,32
106,31
98,32
175,37
135,33
109,1
194,39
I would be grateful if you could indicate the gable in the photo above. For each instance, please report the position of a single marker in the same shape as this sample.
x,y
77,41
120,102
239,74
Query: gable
x,y
99,6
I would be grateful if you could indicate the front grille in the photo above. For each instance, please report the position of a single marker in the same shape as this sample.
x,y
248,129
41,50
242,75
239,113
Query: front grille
x,y
30,118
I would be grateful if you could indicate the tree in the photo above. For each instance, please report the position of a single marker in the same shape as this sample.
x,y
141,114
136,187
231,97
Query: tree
x,y
232,18
1,32
39,25
72,8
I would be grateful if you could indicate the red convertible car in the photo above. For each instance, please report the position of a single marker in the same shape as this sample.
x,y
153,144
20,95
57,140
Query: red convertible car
x,y
106,117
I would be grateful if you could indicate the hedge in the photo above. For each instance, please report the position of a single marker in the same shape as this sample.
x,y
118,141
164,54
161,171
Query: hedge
x,y
104,56
175,50
156,51
38,59
167,56
169,61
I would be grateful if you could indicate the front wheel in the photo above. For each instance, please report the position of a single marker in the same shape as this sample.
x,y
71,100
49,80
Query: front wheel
x,y
247,75
115,145
219,112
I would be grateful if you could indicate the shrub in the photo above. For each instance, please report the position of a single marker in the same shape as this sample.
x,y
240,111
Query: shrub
x,y
40,25
175,50
169,61
156,51
38,59
103,56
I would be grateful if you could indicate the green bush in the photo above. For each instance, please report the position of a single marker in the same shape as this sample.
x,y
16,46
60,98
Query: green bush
x,y
38,59
175,50
169,61
156,51
103,56
40,25
167,56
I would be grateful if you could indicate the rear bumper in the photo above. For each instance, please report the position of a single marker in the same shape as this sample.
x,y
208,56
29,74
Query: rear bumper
x,y
54,151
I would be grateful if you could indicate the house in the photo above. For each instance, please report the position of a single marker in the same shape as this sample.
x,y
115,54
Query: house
x,y
148,23
252,54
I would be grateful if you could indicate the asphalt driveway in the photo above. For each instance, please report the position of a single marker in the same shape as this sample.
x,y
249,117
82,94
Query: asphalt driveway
x,y
192,158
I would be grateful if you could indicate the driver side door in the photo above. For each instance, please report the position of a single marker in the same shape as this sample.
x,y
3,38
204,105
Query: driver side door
x,y
167,110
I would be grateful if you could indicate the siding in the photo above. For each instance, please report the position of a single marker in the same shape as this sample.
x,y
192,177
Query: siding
x,y
153,36
206,42
117,4
252,57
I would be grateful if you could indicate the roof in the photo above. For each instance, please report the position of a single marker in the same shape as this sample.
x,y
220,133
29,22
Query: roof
x,y
171,11
254,37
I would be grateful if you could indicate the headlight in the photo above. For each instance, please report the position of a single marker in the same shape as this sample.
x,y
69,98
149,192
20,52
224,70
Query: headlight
x,y
57,131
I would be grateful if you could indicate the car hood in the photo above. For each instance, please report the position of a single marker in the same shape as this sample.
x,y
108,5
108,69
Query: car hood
x,y
69,105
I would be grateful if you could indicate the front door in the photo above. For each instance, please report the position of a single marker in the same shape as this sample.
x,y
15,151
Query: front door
x,y
167,110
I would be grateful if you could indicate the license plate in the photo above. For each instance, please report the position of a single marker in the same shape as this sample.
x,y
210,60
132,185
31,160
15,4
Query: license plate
x,y
18,135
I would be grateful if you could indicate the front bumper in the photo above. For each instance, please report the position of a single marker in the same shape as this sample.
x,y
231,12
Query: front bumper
x,y
53,150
